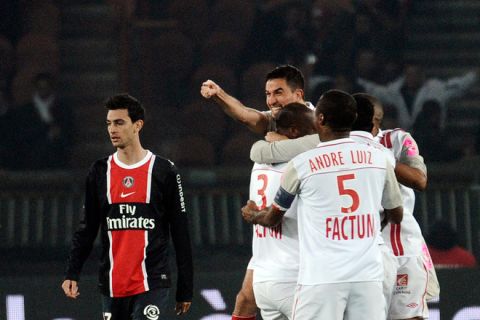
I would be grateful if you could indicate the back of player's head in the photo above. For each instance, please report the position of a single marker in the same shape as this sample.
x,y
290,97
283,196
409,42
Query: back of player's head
x,y
365,113
339,110
296,115
125,101
292,75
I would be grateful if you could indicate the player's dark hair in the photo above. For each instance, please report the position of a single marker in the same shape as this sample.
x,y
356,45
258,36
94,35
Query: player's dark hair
x,y
296,115
365,111
292,75
125,101
339,110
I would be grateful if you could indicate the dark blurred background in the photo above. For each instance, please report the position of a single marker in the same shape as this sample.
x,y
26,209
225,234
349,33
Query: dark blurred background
x,y
59,60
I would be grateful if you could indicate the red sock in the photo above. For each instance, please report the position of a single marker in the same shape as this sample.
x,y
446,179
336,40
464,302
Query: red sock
x,y
251,317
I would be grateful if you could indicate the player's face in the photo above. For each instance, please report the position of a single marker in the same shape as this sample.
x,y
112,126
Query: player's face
x,y
279,94
120,128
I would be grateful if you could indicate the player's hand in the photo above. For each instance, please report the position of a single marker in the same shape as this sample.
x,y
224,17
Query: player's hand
x,y
70,287
272,136
209,89
250,211
182,307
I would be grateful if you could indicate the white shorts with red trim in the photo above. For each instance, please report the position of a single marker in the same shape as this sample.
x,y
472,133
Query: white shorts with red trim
x,y
409,295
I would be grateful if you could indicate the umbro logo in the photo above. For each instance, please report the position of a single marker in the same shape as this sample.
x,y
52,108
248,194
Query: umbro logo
x,y
124,195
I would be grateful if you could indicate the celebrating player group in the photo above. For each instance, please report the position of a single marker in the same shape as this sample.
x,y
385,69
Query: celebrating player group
x,y
331,203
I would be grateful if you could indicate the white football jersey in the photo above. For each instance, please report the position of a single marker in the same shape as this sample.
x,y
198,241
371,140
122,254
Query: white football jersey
x,y
406,238
341,187
367,138
275,250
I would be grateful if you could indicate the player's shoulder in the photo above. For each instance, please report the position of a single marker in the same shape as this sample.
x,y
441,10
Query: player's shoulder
x,y
163,162
100,164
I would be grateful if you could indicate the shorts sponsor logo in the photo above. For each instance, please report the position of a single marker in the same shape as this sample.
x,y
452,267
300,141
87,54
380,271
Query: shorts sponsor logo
x,y
152,312
128,181
412,305
402,280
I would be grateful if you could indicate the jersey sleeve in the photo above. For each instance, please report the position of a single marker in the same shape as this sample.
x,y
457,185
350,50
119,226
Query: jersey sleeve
x,y
84,237
391,197
282,151
288,188
179,229
410,154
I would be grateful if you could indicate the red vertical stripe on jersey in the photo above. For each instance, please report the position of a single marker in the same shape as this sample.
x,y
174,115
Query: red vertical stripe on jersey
x,y
138,188
396,240
399,240
127,256
393,239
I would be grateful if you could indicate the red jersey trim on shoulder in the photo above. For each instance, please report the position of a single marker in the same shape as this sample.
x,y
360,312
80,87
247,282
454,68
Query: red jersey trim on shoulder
x,y
386,140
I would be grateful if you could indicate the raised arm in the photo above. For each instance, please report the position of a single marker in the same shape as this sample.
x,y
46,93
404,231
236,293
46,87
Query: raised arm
x,y
455,87
255,120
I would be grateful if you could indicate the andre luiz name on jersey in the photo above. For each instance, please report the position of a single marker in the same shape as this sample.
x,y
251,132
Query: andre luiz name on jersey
x,y
348,226
128,221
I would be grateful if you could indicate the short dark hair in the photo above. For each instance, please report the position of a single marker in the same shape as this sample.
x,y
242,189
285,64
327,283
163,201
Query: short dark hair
x,y
339,110
125,101
296,115
292,75
365,111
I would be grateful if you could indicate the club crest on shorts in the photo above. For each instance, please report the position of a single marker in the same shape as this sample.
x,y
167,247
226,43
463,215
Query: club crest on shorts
x,y
402,280
152,312
128,181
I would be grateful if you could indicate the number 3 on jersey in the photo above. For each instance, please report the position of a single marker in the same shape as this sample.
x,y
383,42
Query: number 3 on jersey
x,y
261,191
348,192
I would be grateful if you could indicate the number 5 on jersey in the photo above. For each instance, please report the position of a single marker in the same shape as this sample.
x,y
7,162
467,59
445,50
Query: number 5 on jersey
x,y
343,191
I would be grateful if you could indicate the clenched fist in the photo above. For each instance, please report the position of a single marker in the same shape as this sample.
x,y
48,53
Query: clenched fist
x,y
209,89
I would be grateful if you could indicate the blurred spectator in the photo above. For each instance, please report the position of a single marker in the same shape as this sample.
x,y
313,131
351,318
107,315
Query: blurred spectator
x,y
410,91
383,22
431,139
332,23
444,249
42,138
341,81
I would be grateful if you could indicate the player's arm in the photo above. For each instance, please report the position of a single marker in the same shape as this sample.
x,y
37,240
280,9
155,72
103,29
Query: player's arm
x,y
178,220
255,120
410,168
84,237
273,215
455,87
282,151
391,197
268,217
385,93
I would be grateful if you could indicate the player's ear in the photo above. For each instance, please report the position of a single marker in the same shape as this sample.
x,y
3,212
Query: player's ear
x,y
138,125
294,132
300,94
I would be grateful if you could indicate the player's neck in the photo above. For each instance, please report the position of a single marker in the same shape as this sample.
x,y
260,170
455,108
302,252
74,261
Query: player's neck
x,y
131,154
